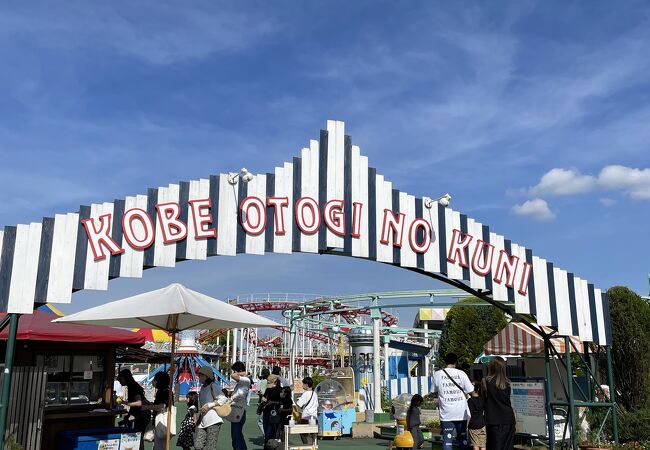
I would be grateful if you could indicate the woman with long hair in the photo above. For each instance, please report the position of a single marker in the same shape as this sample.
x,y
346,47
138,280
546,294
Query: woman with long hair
x,y
499,415
138,417
161,382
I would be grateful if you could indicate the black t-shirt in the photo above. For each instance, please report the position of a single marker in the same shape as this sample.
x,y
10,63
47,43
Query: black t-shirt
x,y
135,390
498,410
476,409
161,398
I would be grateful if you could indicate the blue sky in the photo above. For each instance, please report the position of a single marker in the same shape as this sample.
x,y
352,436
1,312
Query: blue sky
x,y
533,115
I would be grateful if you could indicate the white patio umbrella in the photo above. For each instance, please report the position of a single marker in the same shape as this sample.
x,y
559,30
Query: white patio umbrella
x,y
173,308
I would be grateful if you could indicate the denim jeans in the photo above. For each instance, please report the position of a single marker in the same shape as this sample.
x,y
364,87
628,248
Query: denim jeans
x,y
448,428
236,430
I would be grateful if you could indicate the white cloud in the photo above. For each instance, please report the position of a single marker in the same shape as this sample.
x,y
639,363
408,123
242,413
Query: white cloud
x,y
536,208
634,182
563,182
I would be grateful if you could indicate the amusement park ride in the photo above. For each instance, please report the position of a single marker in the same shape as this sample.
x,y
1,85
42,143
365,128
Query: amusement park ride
x,y
319,333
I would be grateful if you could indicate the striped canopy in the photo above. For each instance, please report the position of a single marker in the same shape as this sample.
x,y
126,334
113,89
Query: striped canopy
x,y
517,339
153,335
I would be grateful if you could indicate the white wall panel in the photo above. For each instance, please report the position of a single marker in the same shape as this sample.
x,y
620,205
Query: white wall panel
x,y
227,217
335,171
257,188
452,222
475,229
62,258
284,188
165,254
197,248
408,258
600,317
359,188
499,290
309,188
432,256
582,309
542,299
24,269
96,275
522,303
562,302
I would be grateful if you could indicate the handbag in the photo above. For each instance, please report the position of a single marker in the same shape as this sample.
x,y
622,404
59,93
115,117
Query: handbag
x,y
224,410
161,423
296,411
149,433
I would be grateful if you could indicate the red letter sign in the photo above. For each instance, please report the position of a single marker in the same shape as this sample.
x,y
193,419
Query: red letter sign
x,y
129,232
202,218
173,230
334,216
250,223
99,239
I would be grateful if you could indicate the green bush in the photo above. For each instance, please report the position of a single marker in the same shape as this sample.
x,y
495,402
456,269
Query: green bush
x,y
466,329
630,317
634,426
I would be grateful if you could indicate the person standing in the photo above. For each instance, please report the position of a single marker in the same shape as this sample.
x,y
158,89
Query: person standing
x,y
160,404
308,402
135,400
452,385
261,389
499,415
413,421
283,381
238,401
209,422
271,409
476,426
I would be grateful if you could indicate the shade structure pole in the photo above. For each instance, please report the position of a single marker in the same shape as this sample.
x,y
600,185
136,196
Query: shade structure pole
x,y
612,392
376,374
6,377
226,354
572,407
550,423
233,355
170,401
425,325
386,360
241,345
292,349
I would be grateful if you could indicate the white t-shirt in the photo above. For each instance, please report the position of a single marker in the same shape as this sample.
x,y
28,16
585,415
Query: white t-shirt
x,y
308,401
453,403
210,395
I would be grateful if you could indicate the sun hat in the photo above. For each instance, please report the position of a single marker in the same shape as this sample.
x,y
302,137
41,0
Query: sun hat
x,y
207,371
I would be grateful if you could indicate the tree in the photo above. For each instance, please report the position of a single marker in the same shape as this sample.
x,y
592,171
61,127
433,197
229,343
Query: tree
x,y
630,317
466,330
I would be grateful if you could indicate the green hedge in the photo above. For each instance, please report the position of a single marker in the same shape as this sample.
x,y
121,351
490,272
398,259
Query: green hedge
x,y
634,426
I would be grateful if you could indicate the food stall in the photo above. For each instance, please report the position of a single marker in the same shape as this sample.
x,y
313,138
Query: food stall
x,y
63,378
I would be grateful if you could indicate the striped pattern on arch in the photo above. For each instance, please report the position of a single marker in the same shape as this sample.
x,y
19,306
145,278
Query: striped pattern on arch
x,y
46,262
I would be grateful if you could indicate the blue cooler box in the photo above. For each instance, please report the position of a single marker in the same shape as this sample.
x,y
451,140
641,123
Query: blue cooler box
x,y
99,439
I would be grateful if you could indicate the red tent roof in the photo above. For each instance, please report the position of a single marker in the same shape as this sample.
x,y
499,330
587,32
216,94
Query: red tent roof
x,y
39,327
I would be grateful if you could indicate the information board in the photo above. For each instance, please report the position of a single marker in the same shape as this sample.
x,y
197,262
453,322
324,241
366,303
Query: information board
x,y
528,399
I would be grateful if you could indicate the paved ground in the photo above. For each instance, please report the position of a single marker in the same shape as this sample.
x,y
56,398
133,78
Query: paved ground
x,y
255,441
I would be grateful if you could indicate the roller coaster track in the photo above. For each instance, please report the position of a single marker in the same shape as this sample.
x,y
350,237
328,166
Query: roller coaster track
x,y
348,307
